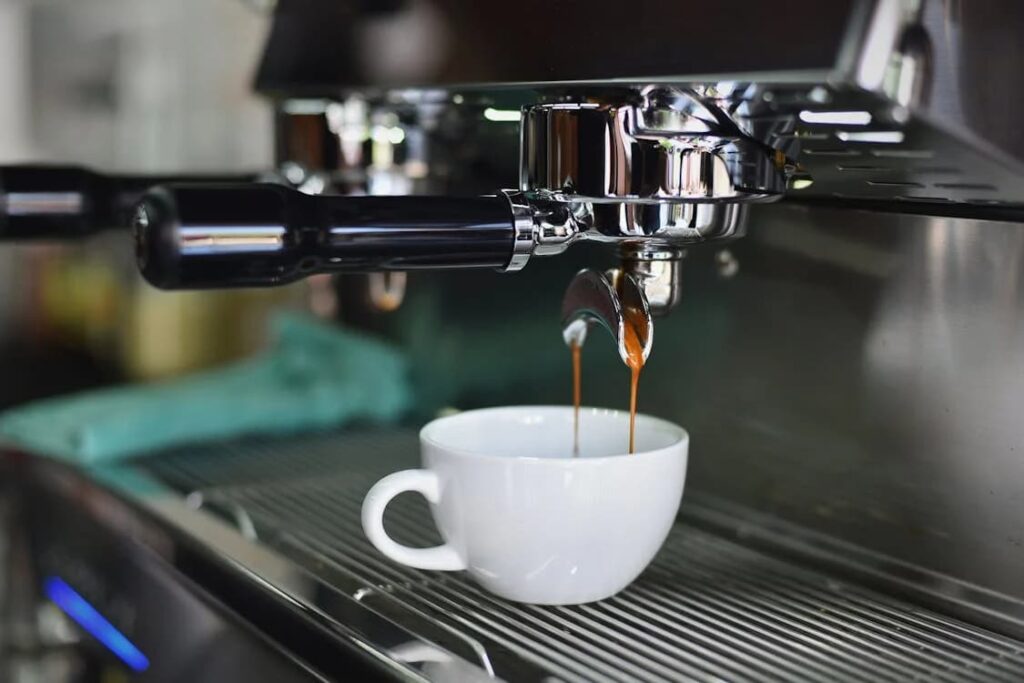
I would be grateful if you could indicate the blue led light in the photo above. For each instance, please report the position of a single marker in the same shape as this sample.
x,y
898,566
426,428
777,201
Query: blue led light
x,y
86,616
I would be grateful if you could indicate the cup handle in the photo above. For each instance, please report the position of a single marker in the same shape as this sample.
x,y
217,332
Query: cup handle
x,y
425,482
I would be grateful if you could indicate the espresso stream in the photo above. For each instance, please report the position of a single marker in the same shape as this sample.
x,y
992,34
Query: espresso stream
x,y
635,363
575,348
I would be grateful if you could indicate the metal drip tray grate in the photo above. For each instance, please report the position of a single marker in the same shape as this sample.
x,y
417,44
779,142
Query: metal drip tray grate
x,y
707,609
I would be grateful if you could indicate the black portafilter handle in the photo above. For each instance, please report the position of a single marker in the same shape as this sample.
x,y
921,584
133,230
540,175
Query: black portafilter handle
x,y
255,235
59,202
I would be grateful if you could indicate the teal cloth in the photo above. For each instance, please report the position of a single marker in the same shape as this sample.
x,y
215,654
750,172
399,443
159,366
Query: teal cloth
x,y
316,376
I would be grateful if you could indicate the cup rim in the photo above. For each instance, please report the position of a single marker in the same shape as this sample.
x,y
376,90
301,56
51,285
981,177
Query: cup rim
x,y
682,437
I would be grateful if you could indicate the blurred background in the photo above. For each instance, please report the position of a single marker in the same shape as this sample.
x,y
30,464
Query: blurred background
x,y
135,86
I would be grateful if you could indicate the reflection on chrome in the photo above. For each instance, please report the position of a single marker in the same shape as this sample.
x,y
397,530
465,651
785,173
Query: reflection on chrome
x,y
604,299
42,203
226,239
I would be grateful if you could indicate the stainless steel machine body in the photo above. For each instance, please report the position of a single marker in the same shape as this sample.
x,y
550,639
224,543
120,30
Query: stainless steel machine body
x,y
847,183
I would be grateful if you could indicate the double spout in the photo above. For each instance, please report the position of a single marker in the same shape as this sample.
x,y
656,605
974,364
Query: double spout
x,y
614,301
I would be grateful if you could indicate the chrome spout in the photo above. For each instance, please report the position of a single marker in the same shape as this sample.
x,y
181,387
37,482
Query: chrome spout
x,y
658,274
607,299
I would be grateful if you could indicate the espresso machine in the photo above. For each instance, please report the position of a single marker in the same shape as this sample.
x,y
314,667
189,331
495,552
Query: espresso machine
x,y
818,207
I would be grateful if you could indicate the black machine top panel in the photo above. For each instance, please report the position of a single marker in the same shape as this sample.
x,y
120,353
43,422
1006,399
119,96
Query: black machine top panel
x,y
323,46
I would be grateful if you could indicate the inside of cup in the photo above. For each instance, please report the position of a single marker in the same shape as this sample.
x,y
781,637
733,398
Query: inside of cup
x,y
547,432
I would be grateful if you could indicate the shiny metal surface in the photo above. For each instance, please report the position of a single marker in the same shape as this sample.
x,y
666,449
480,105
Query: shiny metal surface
x,y
664,224
668,145
892,153
606,299
707,607
525,235
658,167
890,348
41,203
973,60
658,274
913,102
222,239
654,166
556,225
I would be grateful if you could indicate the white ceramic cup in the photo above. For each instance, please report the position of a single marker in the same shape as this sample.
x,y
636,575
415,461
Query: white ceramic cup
x,y
525,518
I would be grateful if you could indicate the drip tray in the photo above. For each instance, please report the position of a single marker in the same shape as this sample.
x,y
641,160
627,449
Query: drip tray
x,y
707,608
